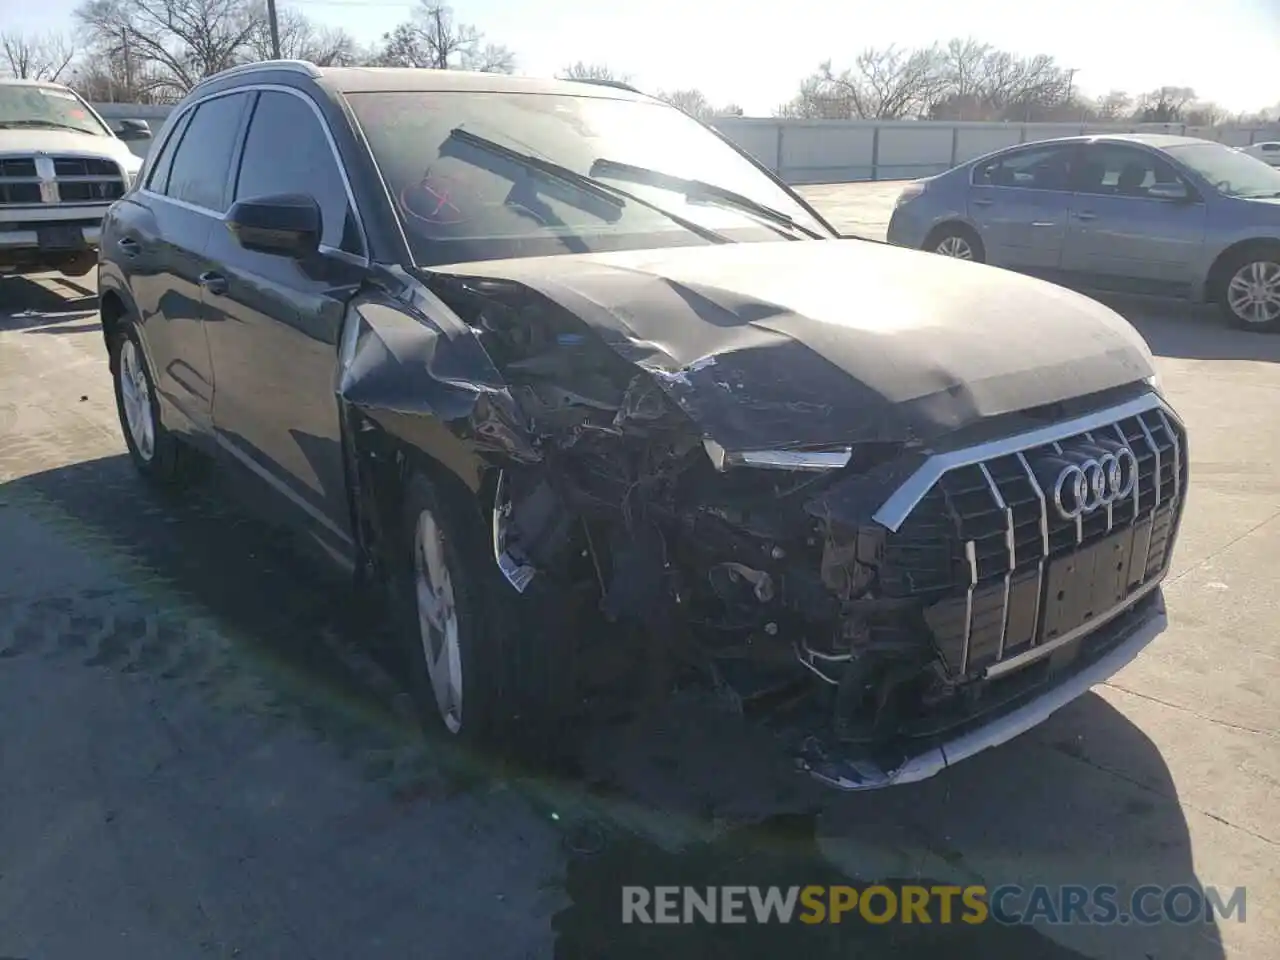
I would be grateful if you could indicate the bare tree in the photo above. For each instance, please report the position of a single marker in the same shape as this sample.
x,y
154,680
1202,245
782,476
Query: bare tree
x,y
1116,105
433,38
592,71
1205,114
886,84
37,57
176,42
964,80
300,39
1164,104
695,103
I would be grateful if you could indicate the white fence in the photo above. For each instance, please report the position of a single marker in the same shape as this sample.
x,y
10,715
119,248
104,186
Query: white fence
x,y
835,151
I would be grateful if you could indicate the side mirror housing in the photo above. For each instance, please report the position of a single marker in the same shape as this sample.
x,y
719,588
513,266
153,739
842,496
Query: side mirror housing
x,y
288,225
1176,192
134,129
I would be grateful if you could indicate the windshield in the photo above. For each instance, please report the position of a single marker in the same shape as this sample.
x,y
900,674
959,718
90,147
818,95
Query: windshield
x,y
52,108
1231,172
460,200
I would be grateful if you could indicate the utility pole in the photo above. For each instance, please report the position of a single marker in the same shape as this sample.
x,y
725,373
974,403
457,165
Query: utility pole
x,y
1071,76
128,63
275,29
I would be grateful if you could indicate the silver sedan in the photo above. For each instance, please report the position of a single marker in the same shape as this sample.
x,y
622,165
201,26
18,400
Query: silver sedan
x,y
1148,214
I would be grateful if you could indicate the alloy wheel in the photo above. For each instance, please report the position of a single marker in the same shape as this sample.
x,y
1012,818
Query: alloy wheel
x,y
438,619
135,394
1253,293
955,246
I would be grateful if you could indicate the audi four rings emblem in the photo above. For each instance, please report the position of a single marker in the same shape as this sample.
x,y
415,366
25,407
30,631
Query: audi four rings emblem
x,y
1093,481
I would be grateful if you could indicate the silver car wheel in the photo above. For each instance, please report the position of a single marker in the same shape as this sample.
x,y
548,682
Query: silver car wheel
x,y
955,246
438,619
1254,292
135,396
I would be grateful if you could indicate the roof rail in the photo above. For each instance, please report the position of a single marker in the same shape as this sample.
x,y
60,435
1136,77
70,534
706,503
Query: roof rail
x,y
603,82
305,67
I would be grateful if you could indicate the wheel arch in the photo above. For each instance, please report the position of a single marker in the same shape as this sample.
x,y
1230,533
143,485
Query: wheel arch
x,y
112,309
385,457
1216,278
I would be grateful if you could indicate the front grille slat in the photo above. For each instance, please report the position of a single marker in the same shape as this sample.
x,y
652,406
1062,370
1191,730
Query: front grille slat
x,y
63,179
979,546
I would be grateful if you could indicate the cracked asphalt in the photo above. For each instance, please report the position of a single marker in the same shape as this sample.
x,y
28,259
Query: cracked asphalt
x,y
203,755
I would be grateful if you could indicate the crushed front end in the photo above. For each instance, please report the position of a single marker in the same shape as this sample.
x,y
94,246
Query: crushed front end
x,y
885,636
886,606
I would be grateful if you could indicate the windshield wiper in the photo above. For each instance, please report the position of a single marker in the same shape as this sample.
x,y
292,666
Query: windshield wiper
x,y
607,192
701,191
51,124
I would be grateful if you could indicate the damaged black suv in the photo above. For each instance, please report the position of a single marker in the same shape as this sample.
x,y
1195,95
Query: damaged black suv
x,y
509,350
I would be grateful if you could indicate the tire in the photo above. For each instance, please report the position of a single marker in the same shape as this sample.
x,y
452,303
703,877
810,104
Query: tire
x,y
1249,295
956,237
501,675
156,453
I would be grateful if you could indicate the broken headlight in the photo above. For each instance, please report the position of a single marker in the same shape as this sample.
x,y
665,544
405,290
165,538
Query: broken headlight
x,y
810,460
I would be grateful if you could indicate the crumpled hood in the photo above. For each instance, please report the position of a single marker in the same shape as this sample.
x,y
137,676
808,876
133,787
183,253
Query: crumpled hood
x,y
794,343
58,142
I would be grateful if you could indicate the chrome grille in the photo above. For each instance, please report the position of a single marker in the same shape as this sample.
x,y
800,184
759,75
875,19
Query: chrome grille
x,y
999,570
60,179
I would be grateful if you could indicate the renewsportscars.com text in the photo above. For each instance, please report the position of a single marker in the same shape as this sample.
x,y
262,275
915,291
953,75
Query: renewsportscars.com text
x,y
1007,904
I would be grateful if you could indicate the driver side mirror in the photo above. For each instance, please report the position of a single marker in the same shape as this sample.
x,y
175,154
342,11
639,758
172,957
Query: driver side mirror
x,y
287,225
134,129
1176,192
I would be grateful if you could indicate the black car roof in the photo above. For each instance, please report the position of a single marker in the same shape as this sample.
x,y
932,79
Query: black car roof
x,y
381,79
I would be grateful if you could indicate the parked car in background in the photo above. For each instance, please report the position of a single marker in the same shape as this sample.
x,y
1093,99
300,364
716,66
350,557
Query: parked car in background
x,y
509,349
61,167
1268,152
1136,213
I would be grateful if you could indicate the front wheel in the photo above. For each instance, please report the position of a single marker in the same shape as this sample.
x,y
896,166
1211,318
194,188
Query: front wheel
x,y
1251,296
486,662
957,242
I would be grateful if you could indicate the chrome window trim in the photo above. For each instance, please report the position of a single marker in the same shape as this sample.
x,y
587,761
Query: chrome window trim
x,y
902,501
361,259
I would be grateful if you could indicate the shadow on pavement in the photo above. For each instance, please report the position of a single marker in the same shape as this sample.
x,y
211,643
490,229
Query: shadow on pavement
x,y
1193,331
29,304
1085,799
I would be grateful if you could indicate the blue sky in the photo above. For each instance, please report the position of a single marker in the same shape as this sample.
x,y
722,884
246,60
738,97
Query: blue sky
x,y
754,52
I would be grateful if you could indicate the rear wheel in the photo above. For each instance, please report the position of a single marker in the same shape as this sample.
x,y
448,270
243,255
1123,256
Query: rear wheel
x,y
1250,295
156,453
956,241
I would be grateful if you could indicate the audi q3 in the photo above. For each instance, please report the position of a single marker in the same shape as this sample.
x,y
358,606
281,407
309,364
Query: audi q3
x,y
558,374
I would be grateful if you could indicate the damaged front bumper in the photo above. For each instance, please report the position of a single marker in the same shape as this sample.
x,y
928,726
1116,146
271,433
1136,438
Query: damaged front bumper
x,y
1095,658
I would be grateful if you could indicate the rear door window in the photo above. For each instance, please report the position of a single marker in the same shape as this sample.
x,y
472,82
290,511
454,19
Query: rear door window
x,y
1043,168
202,163
158,178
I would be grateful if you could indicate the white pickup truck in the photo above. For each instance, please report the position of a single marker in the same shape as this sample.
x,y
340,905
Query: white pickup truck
x,y
61,167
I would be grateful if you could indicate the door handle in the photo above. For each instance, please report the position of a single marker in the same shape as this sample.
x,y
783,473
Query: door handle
x,y
1086,215
128,246
213,282
982,201
1043,223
